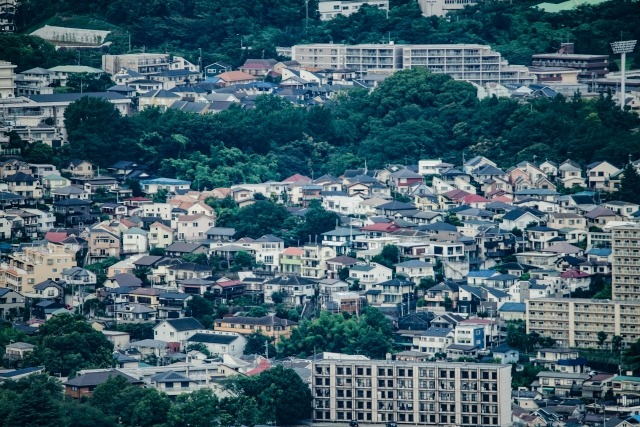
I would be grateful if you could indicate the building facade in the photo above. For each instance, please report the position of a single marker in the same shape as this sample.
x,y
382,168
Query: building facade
x,y
576,322
625,280
329,9
404,392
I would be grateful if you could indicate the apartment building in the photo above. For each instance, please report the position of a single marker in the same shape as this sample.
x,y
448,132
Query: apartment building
x,y
329,9
471,62
269,326
576,322
34,265
406,392
442,7
625,278
7,79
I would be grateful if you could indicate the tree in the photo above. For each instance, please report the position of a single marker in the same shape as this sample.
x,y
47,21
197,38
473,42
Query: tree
x,y
389,256
68,344
85,82
243,259
258,311
272,390
199,307
197,409
256,344
278,297
260,218
32,401
629,185
39,153
602,337
616,344
97,132
343,273
160,196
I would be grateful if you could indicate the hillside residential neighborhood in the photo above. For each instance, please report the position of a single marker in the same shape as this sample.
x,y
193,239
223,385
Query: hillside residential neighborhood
x,y
479,248
466,280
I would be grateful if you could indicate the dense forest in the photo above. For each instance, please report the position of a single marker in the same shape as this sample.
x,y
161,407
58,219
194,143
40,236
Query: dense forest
x,y
412,115
221,28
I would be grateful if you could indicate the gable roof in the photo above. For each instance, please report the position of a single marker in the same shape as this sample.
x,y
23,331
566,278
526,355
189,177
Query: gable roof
x,y
213,338
93,379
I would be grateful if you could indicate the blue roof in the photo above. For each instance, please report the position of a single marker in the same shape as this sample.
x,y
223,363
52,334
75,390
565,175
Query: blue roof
x,y
18,372
165,181
516,307
482,273
599,251
573,362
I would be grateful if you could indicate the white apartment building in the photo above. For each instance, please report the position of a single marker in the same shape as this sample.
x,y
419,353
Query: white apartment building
x,y
576,322
428,393
470,62
329,9
7,79
442,7
625,278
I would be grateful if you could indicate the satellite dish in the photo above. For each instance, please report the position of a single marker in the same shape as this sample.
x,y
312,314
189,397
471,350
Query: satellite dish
x,y
519,368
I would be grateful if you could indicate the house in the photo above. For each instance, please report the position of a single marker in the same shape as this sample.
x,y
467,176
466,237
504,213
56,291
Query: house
x,y
366,274
173,383
12,304
415,270
77,167
193,228
295,290
230,78
178,249
220,343
519,219
84,385
390,292
78,276
177,330
48,289
70,212
433,341
160,235
505,354
598,174
560,360
24,185
152,186
270,326
17,351
135,241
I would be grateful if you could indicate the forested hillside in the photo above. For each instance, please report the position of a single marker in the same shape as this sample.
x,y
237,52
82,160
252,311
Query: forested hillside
x,y
412,115
222,27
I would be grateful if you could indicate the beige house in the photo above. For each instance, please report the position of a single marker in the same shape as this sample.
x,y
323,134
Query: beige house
x,y
104,242
193,228
80,168
160,235
560,221
34,265
598,175
269,326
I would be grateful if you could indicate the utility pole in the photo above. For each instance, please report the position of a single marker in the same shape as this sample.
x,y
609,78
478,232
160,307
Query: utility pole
x,y
306,19
266,348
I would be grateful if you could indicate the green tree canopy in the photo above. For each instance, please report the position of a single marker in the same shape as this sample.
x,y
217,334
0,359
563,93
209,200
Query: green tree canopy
x,y
68,344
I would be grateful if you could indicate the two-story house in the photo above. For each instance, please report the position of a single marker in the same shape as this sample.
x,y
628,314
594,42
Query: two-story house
x,y
270,326
369,274
177,330
160,235
193,228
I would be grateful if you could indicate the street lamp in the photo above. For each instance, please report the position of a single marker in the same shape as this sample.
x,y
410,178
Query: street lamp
x,y
622,48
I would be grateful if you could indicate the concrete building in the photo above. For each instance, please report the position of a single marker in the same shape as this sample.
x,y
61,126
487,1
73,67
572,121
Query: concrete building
x,y
431,393
470,62
143,63
625,280
7,79
34,265
329,9
576,322
7,16
442,7
589,66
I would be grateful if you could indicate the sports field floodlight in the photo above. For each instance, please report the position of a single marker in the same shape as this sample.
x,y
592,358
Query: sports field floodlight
x,y
622,48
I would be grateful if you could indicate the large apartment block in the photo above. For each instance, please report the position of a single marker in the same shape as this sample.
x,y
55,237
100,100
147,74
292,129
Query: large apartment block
x,y
576,322
33,265
432,393
625,277
471,62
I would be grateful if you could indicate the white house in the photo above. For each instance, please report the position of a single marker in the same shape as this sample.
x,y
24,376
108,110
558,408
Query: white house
x,y
415,270
219,343
152,186
135,241
177,330
370,273
193,228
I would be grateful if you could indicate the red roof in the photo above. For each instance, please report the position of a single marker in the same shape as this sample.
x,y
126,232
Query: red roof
x,y
574,274
474,198
229,283
297,178
264,365
456,194
56,236
381,226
